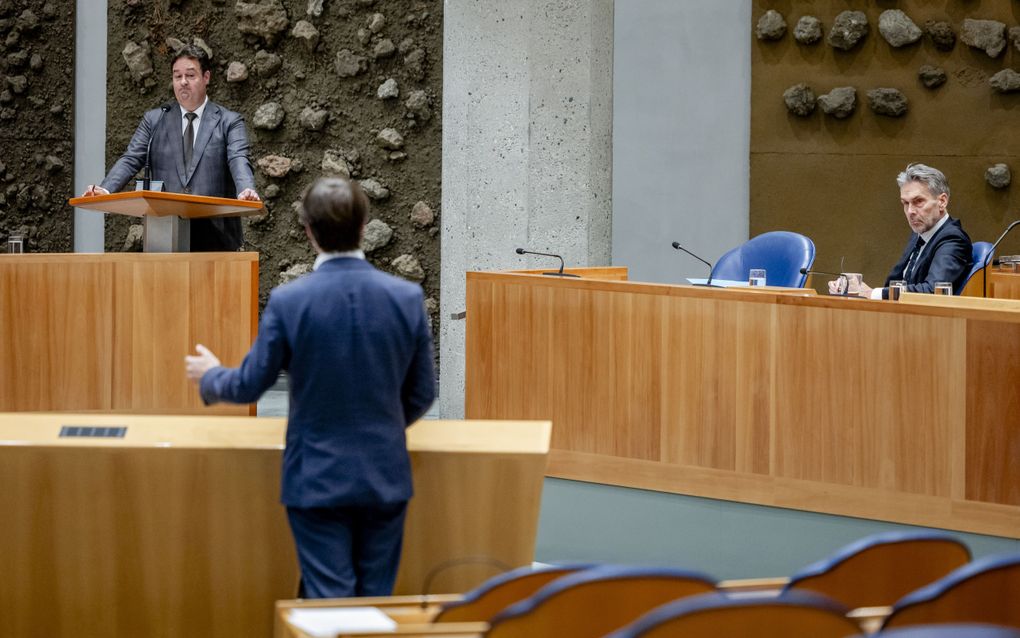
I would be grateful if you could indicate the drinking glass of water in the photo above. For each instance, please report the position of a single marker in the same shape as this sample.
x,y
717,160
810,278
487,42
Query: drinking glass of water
x,y
756,277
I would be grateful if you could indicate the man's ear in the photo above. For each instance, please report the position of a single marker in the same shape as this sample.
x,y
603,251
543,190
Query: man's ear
x,y
943,200
311,238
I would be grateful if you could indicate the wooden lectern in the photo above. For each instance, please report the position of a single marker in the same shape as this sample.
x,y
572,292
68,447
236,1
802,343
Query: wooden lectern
x,y
166,214
172,526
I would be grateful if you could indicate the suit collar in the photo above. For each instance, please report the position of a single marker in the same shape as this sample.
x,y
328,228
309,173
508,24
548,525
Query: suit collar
x,y
345,263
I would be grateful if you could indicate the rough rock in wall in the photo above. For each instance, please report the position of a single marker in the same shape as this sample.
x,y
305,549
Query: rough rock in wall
x,y
36,119
309,78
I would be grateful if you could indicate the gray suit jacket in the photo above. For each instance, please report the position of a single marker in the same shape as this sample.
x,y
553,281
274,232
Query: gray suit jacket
x,y
219,166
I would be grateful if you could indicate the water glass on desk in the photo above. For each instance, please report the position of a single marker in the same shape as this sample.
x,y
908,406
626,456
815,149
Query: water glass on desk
x,y
756,277
16,244
943,288
853,282
896,289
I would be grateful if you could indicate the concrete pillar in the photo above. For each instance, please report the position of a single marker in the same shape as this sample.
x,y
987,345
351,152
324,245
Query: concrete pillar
x,y
89,117
527,147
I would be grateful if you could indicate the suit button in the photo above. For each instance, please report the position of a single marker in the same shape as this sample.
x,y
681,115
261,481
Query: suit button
x,y
187,191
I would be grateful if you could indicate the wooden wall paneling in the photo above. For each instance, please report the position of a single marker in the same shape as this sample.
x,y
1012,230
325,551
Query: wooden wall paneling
x,y
1003,285
52,346
993,413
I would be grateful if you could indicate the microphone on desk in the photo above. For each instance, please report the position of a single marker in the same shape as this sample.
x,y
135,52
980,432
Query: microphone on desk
x,y
521,251
984,267
147,174
677,245
808,271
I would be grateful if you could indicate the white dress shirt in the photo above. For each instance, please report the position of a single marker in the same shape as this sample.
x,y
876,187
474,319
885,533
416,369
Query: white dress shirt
x,y
198,120
322,258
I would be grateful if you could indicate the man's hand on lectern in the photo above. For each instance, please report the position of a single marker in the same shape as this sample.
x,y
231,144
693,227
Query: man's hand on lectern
x,y
93,191
197,365
249,195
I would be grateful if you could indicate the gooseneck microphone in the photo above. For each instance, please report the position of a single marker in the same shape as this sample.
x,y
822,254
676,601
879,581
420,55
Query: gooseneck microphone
x,y
808,271
841,277
708,282
147,174
984,268
521,251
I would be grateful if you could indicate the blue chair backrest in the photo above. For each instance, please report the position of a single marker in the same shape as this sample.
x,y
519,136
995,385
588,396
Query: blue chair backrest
x,y
986,590
781,253
879,569
980,251
596,601
793,614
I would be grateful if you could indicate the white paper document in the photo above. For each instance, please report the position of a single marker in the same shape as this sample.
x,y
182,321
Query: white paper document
x,y
326,622
722,283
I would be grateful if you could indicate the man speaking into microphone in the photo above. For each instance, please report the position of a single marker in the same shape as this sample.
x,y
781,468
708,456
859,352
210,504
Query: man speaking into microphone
x,y
194,146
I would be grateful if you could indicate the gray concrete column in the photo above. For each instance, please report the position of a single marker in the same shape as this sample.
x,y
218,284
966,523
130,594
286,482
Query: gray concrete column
x,y
527,147
89,117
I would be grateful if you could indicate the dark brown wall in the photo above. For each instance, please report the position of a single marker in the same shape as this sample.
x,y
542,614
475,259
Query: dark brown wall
x,y
305,79
36,122
835,180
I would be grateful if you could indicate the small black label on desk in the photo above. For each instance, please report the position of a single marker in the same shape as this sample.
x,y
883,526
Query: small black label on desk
x,y
93,431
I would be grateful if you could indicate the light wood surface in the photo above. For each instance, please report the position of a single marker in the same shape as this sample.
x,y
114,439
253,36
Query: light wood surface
x,y
905,412
109,332
176,529
160,204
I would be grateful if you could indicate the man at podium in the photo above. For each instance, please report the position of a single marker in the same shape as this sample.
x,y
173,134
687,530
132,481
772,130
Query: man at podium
x,y
358,351
194,146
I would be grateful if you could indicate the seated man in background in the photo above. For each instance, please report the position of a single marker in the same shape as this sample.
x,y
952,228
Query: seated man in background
x,y
357,347
939,249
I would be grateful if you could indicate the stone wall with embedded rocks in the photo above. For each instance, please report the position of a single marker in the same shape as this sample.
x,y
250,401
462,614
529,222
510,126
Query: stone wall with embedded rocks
x,y
36,122
922,82
327,87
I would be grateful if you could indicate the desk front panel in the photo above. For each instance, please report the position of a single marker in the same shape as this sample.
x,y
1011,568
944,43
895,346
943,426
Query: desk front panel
x,y
903,412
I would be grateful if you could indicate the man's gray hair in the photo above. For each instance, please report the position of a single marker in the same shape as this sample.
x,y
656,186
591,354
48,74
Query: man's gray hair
x,y
933,178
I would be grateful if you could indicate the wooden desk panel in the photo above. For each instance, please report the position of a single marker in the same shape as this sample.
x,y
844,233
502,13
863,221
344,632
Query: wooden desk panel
x,y
109,332
176,530
902,411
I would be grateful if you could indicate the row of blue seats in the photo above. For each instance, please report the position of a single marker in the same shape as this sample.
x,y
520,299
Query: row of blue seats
x,y
913,578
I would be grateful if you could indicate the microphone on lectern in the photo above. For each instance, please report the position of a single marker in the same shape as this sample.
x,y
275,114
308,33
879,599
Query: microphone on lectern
x,y
521,251
147,174
677,245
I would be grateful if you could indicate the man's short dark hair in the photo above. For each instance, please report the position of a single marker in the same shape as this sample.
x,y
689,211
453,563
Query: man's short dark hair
x,y
334,209
194,52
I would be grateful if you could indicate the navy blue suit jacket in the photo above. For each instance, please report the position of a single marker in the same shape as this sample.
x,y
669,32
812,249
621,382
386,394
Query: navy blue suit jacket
x,y
947,257
358,351
219,166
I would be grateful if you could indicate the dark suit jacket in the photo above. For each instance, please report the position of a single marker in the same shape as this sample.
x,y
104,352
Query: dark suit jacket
x,y
358,349
219,166
947,257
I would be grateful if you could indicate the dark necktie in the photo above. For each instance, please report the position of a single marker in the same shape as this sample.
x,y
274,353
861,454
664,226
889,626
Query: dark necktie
x,y
189,138
912,262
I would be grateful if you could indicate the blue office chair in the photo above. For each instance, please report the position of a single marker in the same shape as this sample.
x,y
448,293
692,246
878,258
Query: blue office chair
x,y
880,569
499,592
792,615
596,601
980,251
985,590
781,253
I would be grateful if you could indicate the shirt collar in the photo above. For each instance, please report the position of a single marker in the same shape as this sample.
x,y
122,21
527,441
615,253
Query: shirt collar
x,y
322,258
928,234
199,111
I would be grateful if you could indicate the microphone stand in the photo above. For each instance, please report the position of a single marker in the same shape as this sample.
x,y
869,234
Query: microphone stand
x,y
984,268
521,251
708,282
